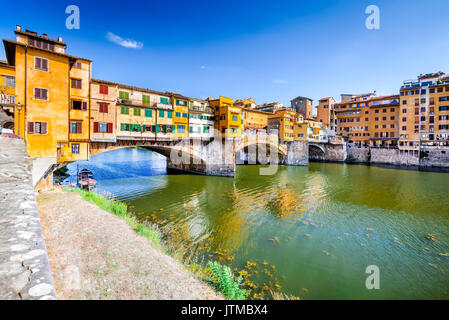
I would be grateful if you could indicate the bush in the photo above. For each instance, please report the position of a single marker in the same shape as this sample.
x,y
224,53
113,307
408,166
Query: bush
x,y
224,281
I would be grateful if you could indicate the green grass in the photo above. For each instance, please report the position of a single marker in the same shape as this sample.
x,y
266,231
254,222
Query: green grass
x,y
120,209
224,281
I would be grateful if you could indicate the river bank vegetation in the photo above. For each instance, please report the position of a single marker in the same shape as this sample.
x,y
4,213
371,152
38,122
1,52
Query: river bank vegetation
x,y
219,276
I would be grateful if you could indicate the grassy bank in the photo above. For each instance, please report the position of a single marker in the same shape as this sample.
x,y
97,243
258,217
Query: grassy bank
x,y
218,276
120,209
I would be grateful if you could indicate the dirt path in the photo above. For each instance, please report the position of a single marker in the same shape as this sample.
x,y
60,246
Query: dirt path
x,y
95,255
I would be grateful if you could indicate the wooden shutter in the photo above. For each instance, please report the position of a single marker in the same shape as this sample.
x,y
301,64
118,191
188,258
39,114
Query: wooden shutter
x,y
109,127
78,127
38,63
30,127
36,93
45,64
43,127
84,105
44,94
96,127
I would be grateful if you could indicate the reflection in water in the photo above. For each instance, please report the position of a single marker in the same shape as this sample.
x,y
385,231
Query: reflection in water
x,y
310,231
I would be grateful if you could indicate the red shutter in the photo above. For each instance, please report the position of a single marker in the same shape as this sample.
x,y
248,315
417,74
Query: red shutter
x,y
84,105
109,127
43,127
30,127
96,127
78,127
105,108
105,90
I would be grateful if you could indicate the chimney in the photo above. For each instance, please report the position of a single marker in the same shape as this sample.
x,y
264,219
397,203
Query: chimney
x,y
60,39
44,35
18,27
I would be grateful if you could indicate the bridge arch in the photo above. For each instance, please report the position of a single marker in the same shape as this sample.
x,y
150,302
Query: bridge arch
x,y
316,152
241,151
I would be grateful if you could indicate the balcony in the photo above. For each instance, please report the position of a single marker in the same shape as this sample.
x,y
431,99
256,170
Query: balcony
x,y
7,99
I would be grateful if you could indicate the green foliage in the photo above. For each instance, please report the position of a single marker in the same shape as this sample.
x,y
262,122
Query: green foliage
x,y
224,281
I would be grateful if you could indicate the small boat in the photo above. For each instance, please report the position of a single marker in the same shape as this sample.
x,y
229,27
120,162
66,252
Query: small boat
x,y
86,179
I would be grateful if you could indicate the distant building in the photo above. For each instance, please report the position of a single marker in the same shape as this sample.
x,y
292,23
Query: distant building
x,y
303,106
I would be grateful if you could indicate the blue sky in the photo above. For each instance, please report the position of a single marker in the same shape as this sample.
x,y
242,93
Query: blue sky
x,y
268,50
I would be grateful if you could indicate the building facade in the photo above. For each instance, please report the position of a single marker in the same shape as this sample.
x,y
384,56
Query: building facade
x,y
303,106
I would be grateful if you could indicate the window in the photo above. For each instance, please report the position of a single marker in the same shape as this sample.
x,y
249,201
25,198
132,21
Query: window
x,y
9,81
123,95
124,127
75,148
181,128
79,105
103,127
76,83
169,114
164,100
104,89
77,65
40,94
103,107
161,113
182,103
404,128
42,44
145,100
75,127
40,64
148,113
235,118
178,114
124,110
136,111
37,127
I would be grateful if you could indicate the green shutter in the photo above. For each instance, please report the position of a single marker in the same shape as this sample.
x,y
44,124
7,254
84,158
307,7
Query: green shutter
x,y
146,100
137,111
170,114
148,113
164,100
122,127
161,113
191,129
124,95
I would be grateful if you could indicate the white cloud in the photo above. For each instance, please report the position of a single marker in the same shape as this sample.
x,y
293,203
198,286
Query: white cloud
x,y
279,81
127,43
203,67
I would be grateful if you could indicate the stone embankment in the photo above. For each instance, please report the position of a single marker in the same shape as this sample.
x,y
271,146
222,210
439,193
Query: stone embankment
x,y
24,266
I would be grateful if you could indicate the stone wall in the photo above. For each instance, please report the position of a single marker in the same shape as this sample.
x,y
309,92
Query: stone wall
x,y
432,157
358,155
393,156
24,268
297,153
336,152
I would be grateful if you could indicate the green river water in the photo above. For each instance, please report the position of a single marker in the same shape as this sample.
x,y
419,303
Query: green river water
x,y
305,231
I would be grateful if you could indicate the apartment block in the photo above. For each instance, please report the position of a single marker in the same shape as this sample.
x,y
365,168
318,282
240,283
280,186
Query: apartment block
x,y
384,120
103,99
303,106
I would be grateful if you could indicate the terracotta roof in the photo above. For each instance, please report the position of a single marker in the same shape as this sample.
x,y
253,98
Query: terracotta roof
x,y
328,98
34,34
12,42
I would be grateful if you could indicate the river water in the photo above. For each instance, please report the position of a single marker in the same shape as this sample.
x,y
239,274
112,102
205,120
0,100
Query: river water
x,y
309,231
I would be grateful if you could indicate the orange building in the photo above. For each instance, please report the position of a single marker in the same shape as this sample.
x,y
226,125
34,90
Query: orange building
x,y
48,86
103,98
384,119
228,118
283,121
324,111
254,119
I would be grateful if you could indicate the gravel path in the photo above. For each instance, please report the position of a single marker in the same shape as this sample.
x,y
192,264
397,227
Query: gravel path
x,y
95,255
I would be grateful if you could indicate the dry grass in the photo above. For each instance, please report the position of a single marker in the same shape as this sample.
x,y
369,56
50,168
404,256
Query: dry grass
x,y
96,255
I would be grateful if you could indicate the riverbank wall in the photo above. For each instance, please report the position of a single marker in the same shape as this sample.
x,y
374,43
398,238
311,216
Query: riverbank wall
x,y
24,266
426,158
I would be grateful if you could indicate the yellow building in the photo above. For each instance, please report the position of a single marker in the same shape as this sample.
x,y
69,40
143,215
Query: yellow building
x,y
283,121
300,128
254,119
180,116
315,132
228,118
44,94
